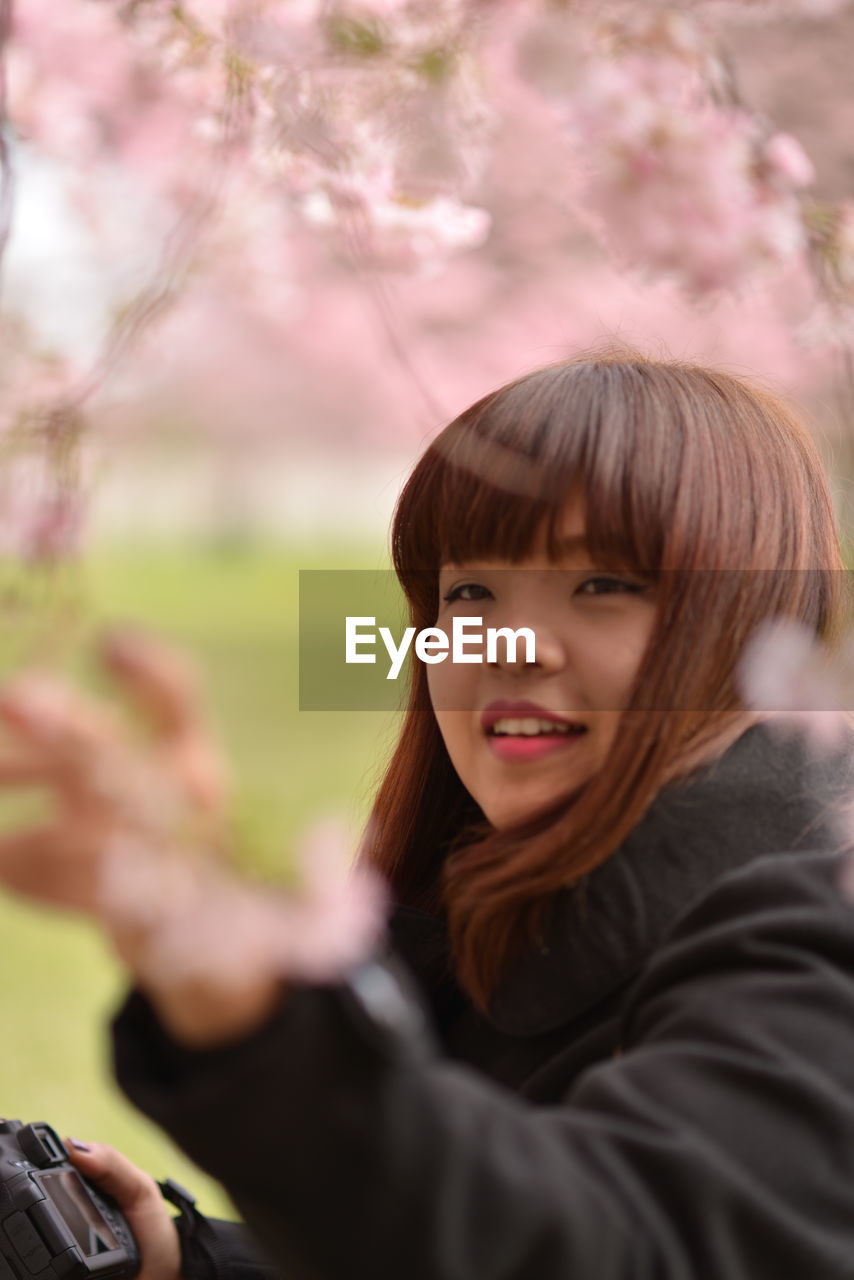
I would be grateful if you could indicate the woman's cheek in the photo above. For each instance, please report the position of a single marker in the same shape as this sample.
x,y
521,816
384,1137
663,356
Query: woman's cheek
x,y
452,686
611,672
452,694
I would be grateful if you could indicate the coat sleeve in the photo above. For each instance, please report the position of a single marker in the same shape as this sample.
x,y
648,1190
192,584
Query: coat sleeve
x,y
213,1248
718,1146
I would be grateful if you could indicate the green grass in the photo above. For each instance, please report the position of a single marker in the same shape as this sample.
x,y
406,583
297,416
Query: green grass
x,y
236,610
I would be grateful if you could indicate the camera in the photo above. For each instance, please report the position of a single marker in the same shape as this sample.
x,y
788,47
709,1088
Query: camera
x,y
53,1223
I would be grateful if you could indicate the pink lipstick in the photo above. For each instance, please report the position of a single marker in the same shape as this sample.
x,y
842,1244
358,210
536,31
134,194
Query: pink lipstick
x,y
519,731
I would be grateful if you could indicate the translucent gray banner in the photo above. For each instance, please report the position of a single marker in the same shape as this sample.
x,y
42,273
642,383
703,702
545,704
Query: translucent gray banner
x,y
511,632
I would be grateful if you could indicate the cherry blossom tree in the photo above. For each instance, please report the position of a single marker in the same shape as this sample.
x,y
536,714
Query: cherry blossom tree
x,y
208,148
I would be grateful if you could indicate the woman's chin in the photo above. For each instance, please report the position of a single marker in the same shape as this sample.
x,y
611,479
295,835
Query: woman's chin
x,y
505,813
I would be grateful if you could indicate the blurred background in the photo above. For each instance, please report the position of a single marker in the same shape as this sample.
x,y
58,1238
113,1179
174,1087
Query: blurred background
x,y
264,422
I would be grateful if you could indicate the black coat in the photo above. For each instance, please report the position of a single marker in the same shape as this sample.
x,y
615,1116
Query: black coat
x,y
663,1091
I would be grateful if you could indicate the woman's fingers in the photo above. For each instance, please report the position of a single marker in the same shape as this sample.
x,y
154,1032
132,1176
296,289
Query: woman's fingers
x,y
55,864
168,795
161,681
164,686
199,764
66,743
76,745
46,714
128,1185
24,772
139,1199
60,733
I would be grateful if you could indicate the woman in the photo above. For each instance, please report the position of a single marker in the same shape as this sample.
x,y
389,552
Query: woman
x,y
612,1034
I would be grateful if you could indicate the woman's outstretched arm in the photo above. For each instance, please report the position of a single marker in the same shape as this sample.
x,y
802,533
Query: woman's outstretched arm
x,y
719,1145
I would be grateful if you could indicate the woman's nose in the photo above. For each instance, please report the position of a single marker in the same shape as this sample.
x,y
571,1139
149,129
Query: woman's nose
x,y
549,653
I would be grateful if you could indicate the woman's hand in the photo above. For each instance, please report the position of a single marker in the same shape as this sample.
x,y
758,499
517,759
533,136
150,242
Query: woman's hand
x,y
127,807
139,1199
136,840
106,786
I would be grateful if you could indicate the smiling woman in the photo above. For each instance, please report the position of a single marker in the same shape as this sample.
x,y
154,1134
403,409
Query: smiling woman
x,y
632,512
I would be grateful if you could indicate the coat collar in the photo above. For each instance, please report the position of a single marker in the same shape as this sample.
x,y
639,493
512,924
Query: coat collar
x,y
765,794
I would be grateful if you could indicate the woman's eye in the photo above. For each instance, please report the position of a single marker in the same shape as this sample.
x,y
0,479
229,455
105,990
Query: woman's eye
x,y
466,591
610,586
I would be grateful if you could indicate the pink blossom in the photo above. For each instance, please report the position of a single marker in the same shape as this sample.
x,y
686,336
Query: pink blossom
x,y
403,235
407,236
42,511
762,10
56,528
786,162
203,921
672,179
788,676
69,69
552,49
245,121
373,8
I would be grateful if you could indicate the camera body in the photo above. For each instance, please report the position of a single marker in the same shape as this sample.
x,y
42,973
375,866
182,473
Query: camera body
x,y
55,1225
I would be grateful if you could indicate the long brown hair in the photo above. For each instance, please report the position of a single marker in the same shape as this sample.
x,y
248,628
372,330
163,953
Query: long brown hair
x,y
682,468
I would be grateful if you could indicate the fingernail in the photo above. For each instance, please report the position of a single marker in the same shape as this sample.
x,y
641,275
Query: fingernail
x,y
78,1145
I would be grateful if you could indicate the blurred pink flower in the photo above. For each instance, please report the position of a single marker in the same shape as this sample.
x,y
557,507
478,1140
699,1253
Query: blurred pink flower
x,y
787,675
552,49
398,235
672,178
786,161
249,108
42,511
759,10
373,8
56,528
205,921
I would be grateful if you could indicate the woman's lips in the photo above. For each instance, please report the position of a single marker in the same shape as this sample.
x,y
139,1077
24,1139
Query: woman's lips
x,y
519,731
518,749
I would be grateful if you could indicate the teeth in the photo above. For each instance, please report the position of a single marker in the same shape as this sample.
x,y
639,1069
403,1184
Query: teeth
x,y
530,727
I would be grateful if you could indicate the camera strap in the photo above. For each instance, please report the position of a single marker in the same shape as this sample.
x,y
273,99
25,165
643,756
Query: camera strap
x,y
177,1195
211,1248
197,1236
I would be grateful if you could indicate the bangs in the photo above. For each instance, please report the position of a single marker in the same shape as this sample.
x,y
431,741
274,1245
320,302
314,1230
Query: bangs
x,y
499,477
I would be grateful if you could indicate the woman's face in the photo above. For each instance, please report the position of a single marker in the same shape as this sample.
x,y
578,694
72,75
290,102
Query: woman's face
x,y
523,736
